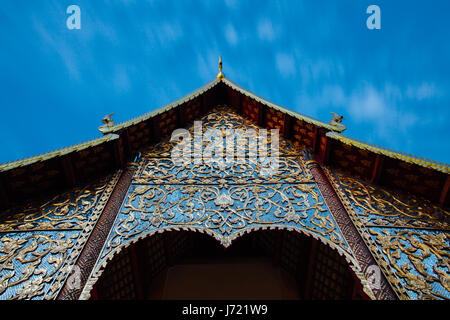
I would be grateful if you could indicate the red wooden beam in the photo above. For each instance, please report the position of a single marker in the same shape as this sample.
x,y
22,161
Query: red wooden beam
x,y
376,172
69,172
202,105
181,115
154,130
4,201
328,144
444,191
119,152
126,141
207,102
349,231
288,126
92,249
261,115
240,103
324,148
315,139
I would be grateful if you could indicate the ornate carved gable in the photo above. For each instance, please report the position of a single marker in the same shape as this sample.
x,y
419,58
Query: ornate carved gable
x,y
223,199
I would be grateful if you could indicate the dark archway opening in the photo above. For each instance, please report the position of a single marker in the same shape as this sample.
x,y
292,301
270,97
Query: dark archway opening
x,y
273,264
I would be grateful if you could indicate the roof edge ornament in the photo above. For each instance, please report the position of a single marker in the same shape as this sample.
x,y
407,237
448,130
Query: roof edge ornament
x,y
336,122
108,123
220,75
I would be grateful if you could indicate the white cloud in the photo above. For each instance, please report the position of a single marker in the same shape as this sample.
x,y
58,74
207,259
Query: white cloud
x,y
231,3
121,80
285,64
422,92
164,34
231,35
61,47
169,32
367,104
314,70
330,97
265,30
381,109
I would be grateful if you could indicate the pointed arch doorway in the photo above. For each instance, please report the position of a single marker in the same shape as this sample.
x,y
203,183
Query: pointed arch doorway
x,y
266,264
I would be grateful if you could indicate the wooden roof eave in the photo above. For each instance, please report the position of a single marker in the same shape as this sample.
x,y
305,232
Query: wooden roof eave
x,y
427,163
57,153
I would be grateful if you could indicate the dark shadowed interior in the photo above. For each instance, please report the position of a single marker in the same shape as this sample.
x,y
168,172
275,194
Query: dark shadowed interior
x,y
262,265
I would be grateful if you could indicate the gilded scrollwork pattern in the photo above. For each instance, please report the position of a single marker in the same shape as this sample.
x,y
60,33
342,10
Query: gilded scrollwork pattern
x,y
66,211
39,244
222,199
162,170
230,125
408,236
224,209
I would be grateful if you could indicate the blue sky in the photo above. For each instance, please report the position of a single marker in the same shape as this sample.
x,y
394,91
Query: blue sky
x,y
130,57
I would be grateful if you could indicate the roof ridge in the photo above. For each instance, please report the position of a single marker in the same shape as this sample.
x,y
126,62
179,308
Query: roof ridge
x,y
162,109
294,114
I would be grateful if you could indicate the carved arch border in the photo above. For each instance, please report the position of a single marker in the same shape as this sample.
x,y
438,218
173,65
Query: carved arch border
x,y
101,264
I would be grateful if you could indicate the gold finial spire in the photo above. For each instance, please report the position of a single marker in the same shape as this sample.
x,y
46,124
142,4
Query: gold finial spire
x,y
220,75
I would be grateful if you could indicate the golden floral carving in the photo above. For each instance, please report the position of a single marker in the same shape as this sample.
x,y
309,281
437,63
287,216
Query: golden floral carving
x,y
378,201
39,244
33,252
407,235
417,247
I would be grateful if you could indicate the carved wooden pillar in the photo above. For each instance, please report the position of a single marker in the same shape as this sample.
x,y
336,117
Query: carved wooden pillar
x,y
352,236
94,245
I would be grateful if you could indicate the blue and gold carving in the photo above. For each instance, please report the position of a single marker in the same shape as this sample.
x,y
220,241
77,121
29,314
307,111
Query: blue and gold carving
x,y
222,199
408,236
39,244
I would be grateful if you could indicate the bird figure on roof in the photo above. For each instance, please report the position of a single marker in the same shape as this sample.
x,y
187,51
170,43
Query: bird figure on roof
x,y
336,121
108,123
108,120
